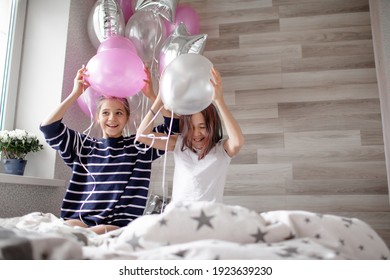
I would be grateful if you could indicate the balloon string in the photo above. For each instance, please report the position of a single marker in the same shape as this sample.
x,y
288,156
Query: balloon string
x,y
87,132
165,162
132,124
150,135
144,105
154,137
157,40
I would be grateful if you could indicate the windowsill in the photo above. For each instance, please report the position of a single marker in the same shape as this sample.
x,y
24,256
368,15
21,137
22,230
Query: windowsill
x,y
28,180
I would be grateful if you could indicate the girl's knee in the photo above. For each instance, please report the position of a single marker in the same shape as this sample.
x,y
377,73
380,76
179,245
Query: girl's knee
x,y
101,229
75,223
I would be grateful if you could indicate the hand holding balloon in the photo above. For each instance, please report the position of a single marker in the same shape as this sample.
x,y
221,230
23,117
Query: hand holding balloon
x,y
88,102
147,90
216,81
80,81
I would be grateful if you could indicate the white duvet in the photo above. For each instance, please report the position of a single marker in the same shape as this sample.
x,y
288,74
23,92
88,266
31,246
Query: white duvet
x,y
199,230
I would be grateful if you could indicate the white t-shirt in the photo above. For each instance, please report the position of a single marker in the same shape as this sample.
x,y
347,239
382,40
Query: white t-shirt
x,y
199,180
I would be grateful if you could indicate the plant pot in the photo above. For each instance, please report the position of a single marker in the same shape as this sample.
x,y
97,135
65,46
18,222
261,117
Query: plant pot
x,y
14,166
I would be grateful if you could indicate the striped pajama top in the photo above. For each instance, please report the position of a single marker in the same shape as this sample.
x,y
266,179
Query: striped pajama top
x,y
110,177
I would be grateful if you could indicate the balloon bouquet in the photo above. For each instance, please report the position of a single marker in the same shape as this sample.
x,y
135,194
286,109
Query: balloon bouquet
x,y
160,34
129,34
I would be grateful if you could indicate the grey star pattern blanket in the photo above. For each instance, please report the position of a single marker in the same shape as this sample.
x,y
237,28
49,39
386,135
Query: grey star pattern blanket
x,y
197,231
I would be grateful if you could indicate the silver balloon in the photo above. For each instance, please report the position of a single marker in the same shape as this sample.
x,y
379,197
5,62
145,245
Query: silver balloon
x,y
185,86
180,42
105,19
147,32
166,8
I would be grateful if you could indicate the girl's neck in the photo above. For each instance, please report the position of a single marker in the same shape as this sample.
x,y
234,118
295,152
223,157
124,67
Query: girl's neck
x,y
196,150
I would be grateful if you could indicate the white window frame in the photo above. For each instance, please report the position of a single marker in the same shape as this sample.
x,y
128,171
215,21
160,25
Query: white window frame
x,y
13,61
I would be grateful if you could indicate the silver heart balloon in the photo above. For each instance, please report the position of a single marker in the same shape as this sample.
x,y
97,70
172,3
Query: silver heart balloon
x,y
180,42
166,8
105,19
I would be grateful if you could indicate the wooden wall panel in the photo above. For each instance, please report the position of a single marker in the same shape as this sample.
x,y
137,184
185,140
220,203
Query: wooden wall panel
x,y
299,76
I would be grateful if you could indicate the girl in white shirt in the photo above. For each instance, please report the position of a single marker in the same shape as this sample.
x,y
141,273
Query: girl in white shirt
x,y
202,156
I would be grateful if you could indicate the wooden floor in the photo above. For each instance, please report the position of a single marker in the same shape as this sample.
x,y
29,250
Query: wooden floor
x,y
299,75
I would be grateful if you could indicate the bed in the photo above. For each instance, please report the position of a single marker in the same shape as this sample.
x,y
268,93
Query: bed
x,y
196,231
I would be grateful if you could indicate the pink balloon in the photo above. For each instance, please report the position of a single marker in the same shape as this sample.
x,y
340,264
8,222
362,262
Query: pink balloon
x,y
116,72
187,15
127,8
88,102
117,41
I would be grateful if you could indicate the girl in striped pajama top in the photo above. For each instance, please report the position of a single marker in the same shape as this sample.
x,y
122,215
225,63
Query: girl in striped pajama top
x,y
110,176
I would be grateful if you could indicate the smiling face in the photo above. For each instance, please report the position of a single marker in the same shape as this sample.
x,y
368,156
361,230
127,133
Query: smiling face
x,y
199,129
112,117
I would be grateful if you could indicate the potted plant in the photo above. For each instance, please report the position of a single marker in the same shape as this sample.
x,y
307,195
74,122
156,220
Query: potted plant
x,y
14,147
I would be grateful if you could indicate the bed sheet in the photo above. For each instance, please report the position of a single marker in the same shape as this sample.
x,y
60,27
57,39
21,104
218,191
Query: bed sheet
x,y
197,231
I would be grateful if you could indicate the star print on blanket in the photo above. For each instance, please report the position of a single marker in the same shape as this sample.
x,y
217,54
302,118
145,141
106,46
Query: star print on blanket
x,y
197,231
205,230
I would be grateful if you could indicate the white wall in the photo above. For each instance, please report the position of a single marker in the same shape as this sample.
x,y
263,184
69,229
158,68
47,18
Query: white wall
x,y
42,71
56,44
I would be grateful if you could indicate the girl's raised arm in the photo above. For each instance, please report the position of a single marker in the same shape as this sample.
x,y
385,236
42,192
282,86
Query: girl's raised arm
x,y
235,137
79,86
145,132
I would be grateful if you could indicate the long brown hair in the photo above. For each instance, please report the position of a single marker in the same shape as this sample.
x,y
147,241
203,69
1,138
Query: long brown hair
x,y
213,128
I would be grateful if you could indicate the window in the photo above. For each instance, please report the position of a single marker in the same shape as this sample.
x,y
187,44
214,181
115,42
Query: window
x,y
12,14
5,17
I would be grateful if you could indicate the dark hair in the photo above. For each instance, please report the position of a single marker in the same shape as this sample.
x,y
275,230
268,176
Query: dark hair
x,y
213,128
124,101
